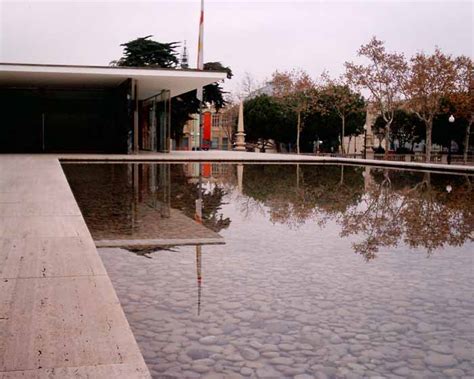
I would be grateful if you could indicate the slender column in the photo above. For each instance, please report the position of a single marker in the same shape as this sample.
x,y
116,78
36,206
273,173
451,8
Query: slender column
x,y
135,115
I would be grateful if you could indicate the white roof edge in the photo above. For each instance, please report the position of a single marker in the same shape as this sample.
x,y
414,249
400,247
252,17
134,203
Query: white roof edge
x,y
111,70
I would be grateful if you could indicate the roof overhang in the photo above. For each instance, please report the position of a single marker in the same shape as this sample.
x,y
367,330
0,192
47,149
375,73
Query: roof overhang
x,y
151,81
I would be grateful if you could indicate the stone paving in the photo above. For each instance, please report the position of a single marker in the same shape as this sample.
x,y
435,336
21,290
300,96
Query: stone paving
x,y
59,314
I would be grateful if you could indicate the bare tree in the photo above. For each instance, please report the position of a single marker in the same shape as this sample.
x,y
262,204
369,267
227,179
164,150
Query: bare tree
x,y
383,76
463,97
431,78
248,85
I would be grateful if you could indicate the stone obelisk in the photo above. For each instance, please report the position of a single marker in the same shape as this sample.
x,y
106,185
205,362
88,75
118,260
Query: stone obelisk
x,y
240,135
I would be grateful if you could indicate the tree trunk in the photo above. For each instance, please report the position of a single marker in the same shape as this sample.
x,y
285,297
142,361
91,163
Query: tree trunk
x,y
429,130
343,129
427,179
466,138
298,134
297,177
387,137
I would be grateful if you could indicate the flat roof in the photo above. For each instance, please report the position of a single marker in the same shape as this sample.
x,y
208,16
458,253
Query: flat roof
x,y
150,80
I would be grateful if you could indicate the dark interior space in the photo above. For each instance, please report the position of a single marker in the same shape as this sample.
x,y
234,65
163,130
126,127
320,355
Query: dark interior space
x,y
49,120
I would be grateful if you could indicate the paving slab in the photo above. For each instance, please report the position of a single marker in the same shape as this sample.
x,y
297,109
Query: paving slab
x,y
48,257
59,314
117,371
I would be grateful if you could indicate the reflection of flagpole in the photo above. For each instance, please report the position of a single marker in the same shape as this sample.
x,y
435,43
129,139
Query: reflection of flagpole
x,y
199,276
198,218
240,178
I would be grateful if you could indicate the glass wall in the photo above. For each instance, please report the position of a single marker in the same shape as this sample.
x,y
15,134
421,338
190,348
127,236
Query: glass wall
x,y
82,120
155,123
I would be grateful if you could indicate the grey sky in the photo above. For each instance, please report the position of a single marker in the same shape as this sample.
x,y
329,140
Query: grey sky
x,y
255,37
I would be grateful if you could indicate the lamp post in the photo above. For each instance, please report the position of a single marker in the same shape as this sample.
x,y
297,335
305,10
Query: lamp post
x,y
365,141
451,120
317,144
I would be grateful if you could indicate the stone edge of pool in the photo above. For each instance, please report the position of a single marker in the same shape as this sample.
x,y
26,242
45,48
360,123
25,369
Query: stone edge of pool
x,y
244,157
59,314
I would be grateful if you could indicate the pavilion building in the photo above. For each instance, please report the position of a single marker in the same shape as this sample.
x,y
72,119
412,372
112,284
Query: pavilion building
x,y
100,109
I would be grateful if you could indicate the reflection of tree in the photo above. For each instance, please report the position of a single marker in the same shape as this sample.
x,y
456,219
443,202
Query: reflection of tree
x,y
446,218
184,194
422,216
396,206
376,217
293,194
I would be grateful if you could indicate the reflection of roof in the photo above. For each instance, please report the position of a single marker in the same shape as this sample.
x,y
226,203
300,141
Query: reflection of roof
x,y
152,227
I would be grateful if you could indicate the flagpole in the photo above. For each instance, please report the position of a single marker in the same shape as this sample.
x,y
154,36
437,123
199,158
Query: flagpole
x,y
200,66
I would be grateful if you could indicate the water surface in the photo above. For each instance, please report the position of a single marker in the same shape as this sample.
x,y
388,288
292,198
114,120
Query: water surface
x,y
275,271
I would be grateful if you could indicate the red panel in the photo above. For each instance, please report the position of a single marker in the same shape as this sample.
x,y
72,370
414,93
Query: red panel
x,y
206,170
207,126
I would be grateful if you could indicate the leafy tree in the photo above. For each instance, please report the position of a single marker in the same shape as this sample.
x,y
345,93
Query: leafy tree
x,y
355,124
383,76
184,105
213,93
144,52
261,115
297,91
444,132
406,128
265,119
337,97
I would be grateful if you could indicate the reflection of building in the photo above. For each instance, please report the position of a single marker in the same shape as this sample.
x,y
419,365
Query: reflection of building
x,y
130,205
218,129
210,172
59,108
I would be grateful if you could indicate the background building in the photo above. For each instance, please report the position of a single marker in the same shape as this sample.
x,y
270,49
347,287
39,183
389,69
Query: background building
x,y
218,130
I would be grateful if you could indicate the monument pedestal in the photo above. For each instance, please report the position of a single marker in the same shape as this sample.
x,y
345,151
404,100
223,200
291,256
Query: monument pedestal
x,y
240,135
369,147
240,141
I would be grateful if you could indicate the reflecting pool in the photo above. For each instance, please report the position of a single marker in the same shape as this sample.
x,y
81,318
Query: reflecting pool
x,y
288,271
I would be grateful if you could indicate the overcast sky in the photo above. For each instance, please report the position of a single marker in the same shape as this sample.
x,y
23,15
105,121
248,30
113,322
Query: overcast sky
x,y
250,36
